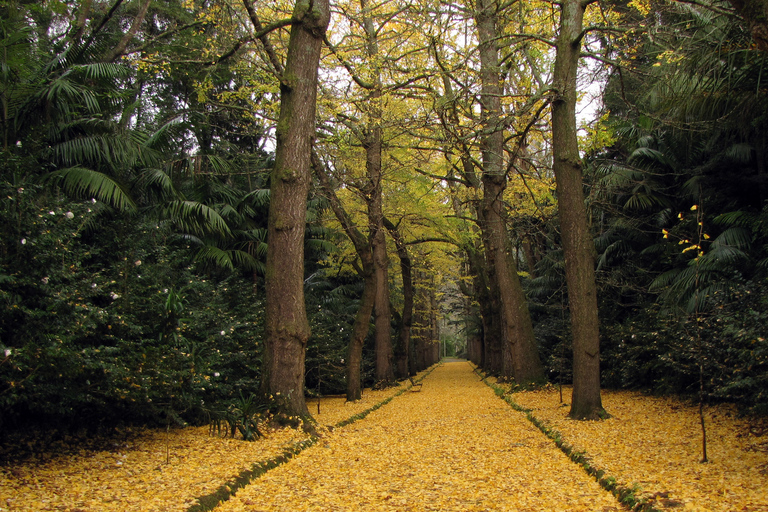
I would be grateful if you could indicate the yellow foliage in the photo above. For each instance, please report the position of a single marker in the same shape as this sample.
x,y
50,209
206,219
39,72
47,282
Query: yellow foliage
x,y
453,446
155,470
656,443
642,6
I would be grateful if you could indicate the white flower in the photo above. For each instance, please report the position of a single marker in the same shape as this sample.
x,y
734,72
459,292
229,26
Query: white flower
x,y
223,333
7,352
51,212
137,263
114,296
93,200
93,285
216,374
69,215
45,280
21,190
23,241
165,290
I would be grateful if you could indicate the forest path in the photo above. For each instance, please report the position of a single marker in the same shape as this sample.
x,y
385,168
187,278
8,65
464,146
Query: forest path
x,y
454,445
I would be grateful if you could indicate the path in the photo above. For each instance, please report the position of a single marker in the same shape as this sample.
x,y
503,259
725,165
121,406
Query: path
x,y
453,446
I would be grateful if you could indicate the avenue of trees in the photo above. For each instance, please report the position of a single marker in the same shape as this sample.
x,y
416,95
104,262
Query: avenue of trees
x,y
211,204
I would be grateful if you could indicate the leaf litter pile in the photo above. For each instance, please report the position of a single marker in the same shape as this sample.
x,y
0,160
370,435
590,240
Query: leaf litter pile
x,y
453,446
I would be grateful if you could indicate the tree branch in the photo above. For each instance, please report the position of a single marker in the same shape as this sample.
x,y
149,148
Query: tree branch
x,y
261,35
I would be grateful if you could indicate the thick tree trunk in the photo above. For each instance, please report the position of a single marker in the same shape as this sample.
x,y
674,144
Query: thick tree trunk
x,y
384,372
421,326
287,328
578,246
434,326
517,329
372,143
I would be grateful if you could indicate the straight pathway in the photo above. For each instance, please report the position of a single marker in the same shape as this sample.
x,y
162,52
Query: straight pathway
x,y
453,446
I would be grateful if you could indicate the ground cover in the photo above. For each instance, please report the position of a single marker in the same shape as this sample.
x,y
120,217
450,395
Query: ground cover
x,y
453,446
655,443
154,470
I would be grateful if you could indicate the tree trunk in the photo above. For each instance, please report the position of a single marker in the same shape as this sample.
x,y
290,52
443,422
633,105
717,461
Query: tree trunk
x,y
517,329
365,309
578,246
406,320
286,325
384,371
118,50
359,333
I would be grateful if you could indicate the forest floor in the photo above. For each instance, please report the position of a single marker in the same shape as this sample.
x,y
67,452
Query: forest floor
x,y
452,446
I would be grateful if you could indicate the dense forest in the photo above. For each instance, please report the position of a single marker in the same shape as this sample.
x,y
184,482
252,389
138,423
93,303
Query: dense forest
x,y
218,207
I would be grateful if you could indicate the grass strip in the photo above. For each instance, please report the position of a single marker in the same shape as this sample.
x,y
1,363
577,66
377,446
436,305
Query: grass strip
x,y
627,495
226,491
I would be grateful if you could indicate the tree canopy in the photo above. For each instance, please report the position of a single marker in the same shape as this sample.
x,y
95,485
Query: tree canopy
x,y
146,176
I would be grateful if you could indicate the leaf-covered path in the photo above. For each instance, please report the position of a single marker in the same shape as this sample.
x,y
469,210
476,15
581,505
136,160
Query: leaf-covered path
x,y
451,446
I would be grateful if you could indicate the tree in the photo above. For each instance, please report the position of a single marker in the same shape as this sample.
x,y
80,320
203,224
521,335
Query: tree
x,y
287,328
577,240
367,271
517,329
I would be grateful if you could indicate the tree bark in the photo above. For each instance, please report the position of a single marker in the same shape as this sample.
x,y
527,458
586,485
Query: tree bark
x,y
578,246
384,371
287,328
365,309
402,353
517,329
118,50
359,333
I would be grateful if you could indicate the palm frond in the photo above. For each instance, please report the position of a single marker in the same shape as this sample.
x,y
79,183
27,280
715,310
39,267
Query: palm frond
x,y
102,70
229,259
735,237
86,183
665,279
258,197
196,218
646,157
157,181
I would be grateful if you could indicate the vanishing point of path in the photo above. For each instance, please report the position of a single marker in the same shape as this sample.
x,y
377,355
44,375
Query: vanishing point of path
x,y
453,446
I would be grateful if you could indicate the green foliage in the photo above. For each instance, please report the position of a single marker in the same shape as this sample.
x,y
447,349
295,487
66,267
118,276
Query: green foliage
x,y
102,325
657,351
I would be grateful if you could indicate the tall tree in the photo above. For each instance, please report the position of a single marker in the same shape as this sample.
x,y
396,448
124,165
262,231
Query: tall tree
x,y
366,270
517,328
578,246
287,328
